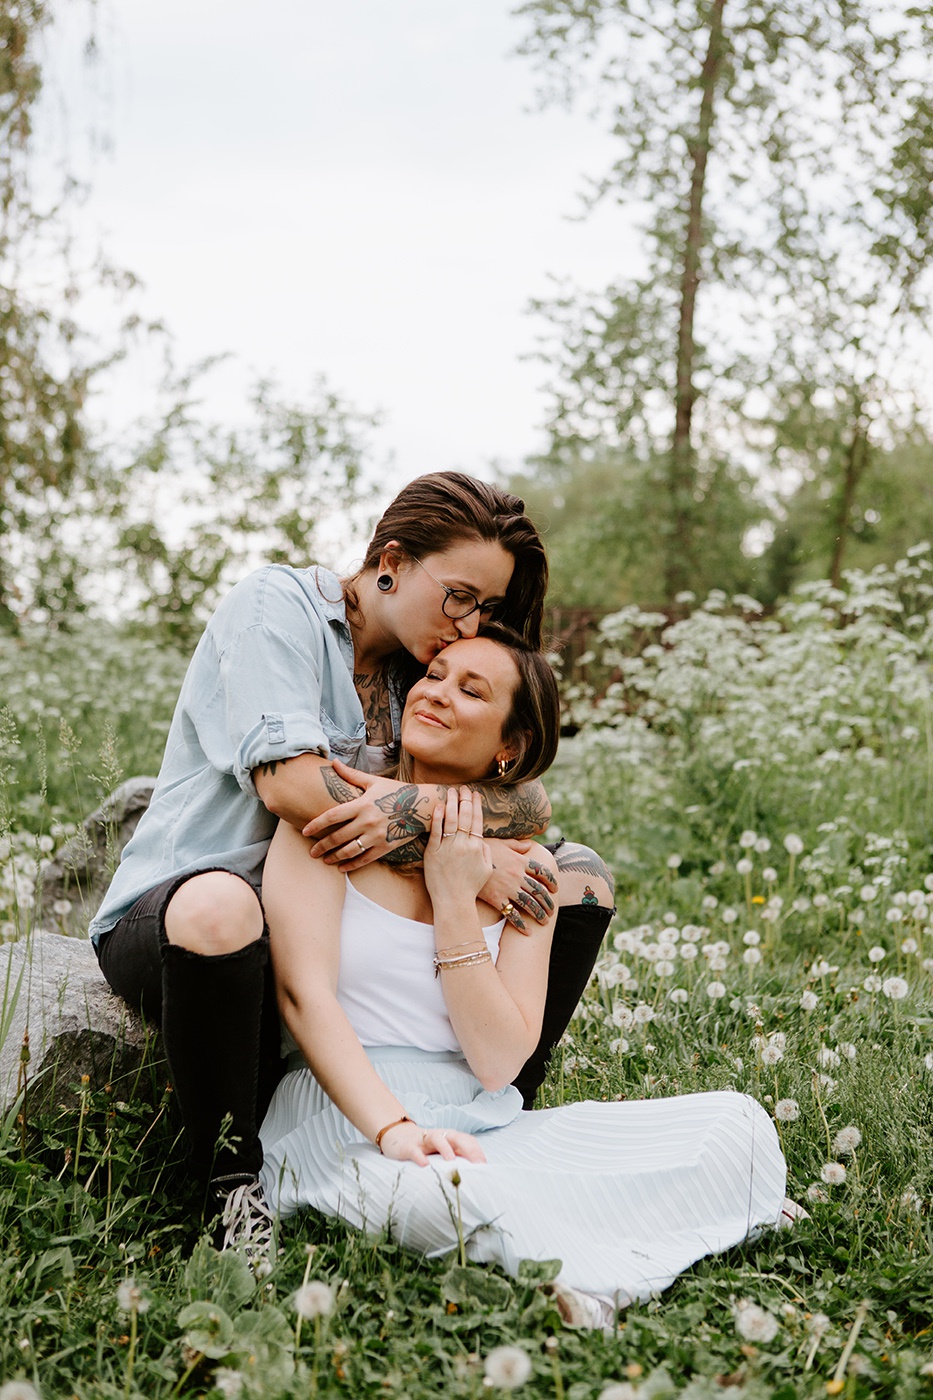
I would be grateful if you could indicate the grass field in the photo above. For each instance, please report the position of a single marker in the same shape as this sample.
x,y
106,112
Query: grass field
x,y
763,788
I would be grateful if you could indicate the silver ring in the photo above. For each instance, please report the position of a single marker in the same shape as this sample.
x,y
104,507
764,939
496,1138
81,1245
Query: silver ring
x,y
359,843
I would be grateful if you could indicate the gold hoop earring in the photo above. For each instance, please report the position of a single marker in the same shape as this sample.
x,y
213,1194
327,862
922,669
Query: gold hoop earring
x,y
503,767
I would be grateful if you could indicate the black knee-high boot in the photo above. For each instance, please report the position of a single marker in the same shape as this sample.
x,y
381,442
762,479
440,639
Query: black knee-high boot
x,y
578,935
212,1015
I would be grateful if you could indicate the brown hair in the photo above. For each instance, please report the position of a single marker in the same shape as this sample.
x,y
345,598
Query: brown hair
x,y
533,722
438,510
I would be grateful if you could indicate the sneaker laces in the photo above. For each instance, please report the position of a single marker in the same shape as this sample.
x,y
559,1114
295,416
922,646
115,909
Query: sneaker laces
x,y
249,1224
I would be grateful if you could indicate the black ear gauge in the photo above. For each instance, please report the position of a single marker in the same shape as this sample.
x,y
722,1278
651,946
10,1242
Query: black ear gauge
x,y
384,583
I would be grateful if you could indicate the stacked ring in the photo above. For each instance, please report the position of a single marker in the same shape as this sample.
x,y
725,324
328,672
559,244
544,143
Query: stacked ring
x,y
507,910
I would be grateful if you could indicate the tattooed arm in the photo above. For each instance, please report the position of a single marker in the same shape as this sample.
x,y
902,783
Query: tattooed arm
x,y
388,816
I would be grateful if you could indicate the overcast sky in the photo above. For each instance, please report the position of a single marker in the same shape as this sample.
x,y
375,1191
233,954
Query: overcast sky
x,y
361,190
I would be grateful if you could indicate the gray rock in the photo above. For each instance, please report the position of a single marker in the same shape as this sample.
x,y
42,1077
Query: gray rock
x,y
54,991
81,871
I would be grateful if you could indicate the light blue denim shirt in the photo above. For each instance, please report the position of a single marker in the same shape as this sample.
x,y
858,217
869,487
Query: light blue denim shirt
x,y
272,677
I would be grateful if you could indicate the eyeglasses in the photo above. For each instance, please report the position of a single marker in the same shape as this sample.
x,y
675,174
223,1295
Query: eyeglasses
x,y
458,603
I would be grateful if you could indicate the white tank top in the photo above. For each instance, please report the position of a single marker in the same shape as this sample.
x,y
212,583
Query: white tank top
x,y
386,984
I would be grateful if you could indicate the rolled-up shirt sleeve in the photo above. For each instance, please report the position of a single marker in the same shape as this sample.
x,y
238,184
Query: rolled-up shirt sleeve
x,y
272,698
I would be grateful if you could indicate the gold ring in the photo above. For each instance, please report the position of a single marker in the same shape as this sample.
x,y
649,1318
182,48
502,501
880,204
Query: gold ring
x,y
507,910
359,843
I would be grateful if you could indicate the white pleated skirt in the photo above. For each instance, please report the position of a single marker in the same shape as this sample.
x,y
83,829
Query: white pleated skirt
x,y
625,1195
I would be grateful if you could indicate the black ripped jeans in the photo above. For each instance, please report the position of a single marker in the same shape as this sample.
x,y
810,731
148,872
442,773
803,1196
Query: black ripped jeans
x,y
220,1029
220,1025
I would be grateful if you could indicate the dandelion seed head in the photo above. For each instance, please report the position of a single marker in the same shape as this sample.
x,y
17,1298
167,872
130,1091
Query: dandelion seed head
x,y
729,915
619,1390
846,1140
754,1323
314,1299
817,1324
867,893
643,1013
619,1046
688,951
19,1390
909,946
827,1058
715,990
748,839
894,915
895,988
793,844
228,1382
846,1049
751,957
771,1055
787,1110
872,984
809,1001
928,1060
752,938
833,1173
815,1192
130,1297
762,845
674,862
744,866
678,995
507,1367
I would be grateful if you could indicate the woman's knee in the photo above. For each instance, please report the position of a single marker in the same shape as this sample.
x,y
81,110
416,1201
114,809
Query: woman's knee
x,y
214,913
584,876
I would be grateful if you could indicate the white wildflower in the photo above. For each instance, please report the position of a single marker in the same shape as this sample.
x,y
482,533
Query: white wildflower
x,y
909,946
793,844
744,866
817,1324
718,963
729,915
643,1013
619,1046
809,1001
912,1200
867,893
876,954
916,897
664,968
928,1060
678,995
821,901
846,1141
827,1082
619,1390
872,984
709,901
833,1173
927,964
755,1324
828,1059
715,990
899,899
846,1049
816,1192
762,845
895,988
688,951
748,839
752,938
691,934
314,1299
771,1055
61,908
821,968
787,1110
674,862
751,956
895,915
507,1367
622,1016
769,875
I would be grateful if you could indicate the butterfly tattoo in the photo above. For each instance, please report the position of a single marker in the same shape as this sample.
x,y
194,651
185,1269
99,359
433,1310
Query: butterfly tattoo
x,y
401,807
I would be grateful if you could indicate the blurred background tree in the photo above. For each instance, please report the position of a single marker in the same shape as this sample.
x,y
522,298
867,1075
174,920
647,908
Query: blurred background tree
x,y
780,160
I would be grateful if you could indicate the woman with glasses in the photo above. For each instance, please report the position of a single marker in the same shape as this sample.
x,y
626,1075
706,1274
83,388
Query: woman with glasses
x,y
291,699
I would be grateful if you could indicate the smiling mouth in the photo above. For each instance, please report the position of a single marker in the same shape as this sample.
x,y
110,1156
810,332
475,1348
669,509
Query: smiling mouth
x,y
430,719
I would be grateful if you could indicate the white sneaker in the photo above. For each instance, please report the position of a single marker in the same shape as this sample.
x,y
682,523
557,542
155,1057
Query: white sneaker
x,y
791,1212
586,1311
249,1225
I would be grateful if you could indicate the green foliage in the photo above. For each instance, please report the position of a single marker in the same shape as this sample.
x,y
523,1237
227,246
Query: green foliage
x,y
727,735
604,524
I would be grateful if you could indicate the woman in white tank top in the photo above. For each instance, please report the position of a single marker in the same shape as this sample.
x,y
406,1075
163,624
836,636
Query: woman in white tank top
x,y
411,1007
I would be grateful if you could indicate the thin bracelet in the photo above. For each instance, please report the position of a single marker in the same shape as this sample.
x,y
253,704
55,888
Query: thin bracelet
x,y
382,1131
468,960
470,943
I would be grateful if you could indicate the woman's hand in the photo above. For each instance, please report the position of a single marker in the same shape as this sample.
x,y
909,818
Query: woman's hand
x,y
457,863
520,879
406,1142
385,816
